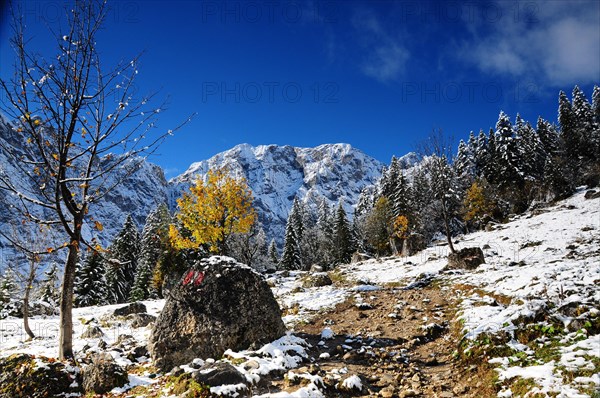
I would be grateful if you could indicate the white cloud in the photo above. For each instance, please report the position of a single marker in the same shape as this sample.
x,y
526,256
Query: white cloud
x,y
556,41
384,56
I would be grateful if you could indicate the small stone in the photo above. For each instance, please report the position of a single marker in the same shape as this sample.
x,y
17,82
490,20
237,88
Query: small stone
x,y
387,392
407,393
416,377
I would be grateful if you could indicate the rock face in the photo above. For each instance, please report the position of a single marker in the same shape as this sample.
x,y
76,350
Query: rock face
x,y
103,374
218,304
467,258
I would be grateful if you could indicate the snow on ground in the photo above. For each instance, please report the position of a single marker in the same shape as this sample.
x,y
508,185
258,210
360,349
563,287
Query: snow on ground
x,y
542,272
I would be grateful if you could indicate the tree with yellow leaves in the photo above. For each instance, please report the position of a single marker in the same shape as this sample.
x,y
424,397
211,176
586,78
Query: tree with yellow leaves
x,y
477,205
212,211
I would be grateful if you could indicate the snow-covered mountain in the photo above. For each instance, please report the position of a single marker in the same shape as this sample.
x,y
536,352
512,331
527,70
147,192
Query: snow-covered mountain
x,y
278,174
275,174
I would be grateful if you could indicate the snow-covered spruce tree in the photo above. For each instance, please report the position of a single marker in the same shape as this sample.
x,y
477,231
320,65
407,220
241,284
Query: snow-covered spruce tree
x,y
290,258
343,239
489,160
273,255
71,110
464,163
48,292
509,164
595,136
10,297
480,154
584,125
325,234
90,283
568,129
121,262
152,245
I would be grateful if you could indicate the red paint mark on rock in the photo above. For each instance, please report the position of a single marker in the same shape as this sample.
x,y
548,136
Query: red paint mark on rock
x,y
199,278
188,278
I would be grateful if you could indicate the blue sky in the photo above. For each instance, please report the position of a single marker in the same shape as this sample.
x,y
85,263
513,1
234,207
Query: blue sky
x,y
379,75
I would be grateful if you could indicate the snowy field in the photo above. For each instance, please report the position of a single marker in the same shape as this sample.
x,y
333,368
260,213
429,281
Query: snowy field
x,y
542,274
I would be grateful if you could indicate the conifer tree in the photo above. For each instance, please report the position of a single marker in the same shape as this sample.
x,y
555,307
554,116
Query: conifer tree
x,y
10,300
121,265
343,241
90,283
379,226
568,129
49,292
464,162
152,245
273,254
584,124
290,258
480,154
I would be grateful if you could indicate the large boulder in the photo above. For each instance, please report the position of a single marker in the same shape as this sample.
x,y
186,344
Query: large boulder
x,y
467,258
218,304
103,374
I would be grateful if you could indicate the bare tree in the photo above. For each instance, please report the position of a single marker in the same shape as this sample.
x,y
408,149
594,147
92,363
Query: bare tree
x,y
81,130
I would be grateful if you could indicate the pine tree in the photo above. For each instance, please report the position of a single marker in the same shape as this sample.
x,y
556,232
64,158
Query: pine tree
x,y
480,154
568,129
490,165
445,190
121,264
379,226
273,254
90,283
152,245
401,198
509,163
464,164
595,135
290,258
584,124
49,292
343,241
10,300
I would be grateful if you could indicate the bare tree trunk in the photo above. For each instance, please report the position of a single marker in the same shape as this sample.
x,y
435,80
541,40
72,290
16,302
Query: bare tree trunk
x,y
447,227
65,349
28,286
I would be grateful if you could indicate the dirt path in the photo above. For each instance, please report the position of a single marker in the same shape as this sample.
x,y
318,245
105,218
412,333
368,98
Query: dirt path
x,y
400,342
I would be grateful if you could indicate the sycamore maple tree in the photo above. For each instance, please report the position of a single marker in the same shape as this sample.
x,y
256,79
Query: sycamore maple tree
x,y
212,211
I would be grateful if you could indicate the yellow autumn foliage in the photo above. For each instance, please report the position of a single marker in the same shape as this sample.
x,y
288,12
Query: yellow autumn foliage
x,y
401,227
476,203
213,210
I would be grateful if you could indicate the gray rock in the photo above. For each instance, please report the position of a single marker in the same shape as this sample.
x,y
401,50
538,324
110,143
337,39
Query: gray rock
x,y
318,279
467,258
103,374
92,332
218,374
592,194
133,308
218,304
357,257
140,320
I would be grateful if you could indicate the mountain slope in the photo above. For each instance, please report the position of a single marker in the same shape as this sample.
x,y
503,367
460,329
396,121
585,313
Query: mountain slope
x,y
277,174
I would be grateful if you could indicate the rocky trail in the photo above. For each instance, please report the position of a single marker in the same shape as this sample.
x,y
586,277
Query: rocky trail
x,y
398,341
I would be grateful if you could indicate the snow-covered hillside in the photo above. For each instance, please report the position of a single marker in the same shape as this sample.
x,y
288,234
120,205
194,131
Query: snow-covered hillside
x,y
531,312
277,174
